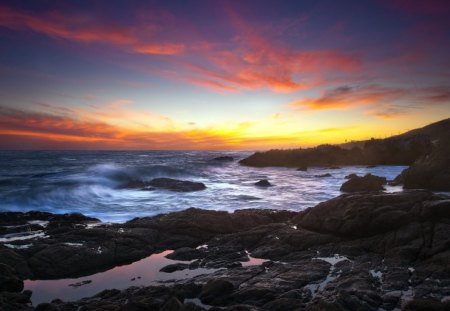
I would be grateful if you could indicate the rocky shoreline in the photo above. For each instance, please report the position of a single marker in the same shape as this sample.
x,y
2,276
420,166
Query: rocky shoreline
x,y
362,251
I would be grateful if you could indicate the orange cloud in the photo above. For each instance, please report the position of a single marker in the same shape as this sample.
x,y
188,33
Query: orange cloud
x,y
85,29
346,97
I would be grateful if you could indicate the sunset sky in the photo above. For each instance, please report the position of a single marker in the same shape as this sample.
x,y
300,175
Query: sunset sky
x,y
248,75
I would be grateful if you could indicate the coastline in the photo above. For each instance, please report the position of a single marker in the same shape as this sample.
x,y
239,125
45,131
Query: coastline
x,y
363,250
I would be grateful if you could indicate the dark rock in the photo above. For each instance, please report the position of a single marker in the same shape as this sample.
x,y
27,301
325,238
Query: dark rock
x,y
173,304
164,183
302,168
363,214
350,176
185,254
368,182
263,183
9,281
334,168
214,289
10,301
177,185
426,305
224,159
47,307
323,175
174,267
431,171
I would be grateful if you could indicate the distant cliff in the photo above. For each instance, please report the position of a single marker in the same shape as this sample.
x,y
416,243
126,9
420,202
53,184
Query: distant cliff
x,y
402,149
426,150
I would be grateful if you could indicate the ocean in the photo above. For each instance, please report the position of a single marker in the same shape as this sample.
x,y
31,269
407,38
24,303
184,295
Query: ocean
x,y
87,182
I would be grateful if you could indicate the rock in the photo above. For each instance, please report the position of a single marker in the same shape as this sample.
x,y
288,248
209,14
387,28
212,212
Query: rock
x,y
368,214
302,168
355,252
263,183
367,183
431,171
10,301
164,183
224,159
185,254
47,307
323,175
334,168
174,267
215,289
177,185
9,281
350,176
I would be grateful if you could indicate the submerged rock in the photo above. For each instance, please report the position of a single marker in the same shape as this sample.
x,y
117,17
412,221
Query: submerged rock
x,y
164,183
368,182
323,175
303,168
177,185
224,159
263,183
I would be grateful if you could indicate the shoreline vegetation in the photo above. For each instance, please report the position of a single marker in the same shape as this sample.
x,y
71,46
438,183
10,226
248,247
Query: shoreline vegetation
x,y
366,250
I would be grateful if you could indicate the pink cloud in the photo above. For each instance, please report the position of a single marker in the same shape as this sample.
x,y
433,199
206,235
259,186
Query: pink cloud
x,y
85,29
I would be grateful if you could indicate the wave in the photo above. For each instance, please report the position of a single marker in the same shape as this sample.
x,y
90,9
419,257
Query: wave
x,y
114,175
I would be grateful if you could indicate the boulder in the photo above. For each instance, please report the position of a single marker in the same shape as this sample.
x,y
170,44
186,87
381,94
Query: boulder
x,y
263,183
177,185
215,288
9,281
368,182
430,172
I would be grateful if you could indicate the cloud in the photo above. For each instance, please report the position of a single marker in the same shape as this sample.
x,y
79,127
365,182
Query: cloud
x,y
87,29
344,97
252,60
32,130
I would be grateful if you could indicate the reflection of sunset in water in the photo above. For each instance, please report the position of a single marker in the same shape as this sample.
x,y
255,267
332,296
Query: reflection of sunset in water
x,y
119,277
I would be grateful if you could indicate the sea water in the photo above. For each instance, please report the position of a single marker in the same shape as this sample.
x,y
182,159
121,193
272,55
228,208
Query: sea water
x,y
88,182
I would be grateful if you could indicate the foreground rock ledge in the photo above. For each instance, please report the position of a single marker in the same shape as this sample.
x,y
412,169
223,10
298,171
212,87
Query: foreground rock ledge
x,y
354,252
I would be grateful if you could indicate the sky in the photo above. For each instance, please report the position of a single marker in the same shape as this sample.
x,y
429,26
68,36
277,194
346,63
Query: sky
x,y
219,75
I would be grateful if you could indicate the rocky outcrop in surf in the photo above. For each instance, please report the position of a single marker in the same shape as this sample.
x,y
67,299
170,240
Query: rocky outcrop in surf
x,y
164,183
368,182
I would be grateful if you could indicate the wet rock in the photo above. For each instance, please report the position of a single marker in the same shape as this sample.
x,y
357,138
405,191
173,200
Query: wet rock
x,y
174,267
323,175
177,185
173,304
431,171
10,301
368,182
302,168
334,168
47,307
185,254
215,289
263,183
224,159
350,176
9,281
164,183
